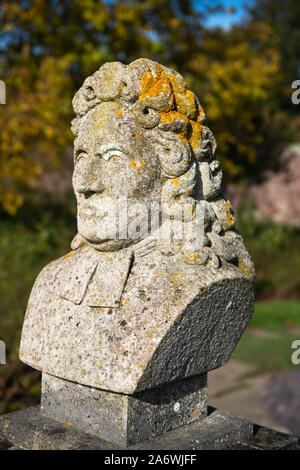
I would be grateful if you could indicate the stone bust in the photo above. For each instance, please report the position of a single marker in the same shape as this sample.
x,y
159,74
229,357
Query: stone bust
x,y
134,305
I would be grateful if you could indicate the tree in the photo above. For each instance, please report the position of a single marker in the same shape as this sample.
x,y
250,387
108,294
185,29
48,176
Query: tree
x,y
48,47
282,16
240,78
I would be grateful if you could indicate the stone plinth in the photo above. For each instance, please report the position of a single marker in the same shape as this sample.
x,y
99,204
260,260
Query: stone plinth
x,y
124,419
30,429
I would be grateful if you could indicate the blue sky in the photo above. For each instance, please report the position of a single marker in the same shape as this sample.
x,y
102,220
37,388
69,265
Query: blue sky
x,y
224,20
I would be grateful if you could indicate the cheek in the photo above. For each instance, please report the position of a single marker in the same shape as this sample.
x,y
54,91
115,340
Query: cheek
x,y
131,182
116,176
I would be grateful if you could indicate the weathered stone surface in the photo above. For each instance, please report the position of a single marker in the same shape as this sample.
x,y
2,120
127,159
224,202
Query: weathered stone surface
x,y
137,305
124,419
268,439
29,429
173,323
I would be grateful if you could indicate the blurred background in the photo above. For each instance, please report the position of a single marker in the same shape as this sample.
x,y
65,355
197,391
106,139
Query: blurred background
x,y
240,58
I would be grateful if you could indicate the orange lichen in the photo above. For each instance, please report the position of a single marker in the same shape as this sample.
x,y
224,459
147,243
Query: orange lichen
x,y
72,253
184,99
135,165
196,134
186,103
118,112
201,112
230,218
154,85
169,118
177,83
181,103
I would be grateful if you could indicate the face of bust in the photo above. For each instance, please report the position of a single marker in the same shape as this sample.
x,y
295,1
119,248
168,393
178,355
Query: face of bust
x,y
115,165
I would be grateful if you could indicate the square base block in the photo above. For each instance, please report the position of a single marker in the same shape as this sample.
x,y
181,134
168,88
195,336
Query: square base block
x,y
124,419
29,429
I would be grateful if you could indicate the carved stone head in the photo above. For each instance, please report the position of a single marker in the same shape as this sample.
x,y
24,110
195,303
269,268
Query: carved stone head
x,y
139,135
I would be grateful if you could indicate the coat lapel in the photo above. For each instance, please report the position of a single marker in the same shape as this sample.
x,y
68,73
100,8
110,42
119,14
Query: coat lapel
x,y
98,278
108,282
78,269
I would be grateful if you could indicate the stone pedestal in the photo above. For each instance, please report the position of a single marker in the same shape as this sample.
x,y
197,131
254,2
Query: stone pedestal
x,y
124,419
30,429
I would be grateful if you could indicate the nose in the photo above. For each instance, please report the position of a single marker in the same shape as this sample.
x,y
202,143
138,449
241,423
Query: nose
x,y
87,177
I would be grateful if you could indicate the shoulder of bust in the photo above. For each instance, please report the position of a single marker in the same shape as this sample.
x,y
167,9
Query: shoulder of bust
x,y
51,270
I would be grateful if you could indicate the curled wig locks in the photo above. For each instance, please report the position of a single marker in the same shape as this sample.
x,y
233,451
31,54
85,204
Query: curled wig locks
x,y
172,118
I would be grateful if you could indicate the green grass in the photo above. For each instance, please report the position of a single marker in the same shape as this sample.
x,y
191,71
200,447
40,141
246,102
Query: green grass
x,y
275,250
276,315
271,353
267,354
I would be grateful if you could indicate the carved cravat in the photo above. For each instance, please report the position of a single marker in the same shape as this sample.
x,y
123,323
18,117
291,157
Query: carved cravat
x,y
81,276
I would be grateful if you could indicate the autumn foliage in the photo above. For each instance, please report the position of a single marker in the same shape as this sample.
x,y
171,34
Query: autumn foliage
x,y
48,47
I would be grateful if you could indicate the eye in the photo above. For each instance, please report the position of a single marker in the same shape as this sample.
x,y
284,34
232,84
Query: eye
x,y
80,155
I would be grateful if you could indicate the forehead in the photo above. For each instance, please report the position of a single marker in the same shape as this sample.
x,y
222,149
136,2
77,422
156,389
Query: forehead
x,y
99,122
113,125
